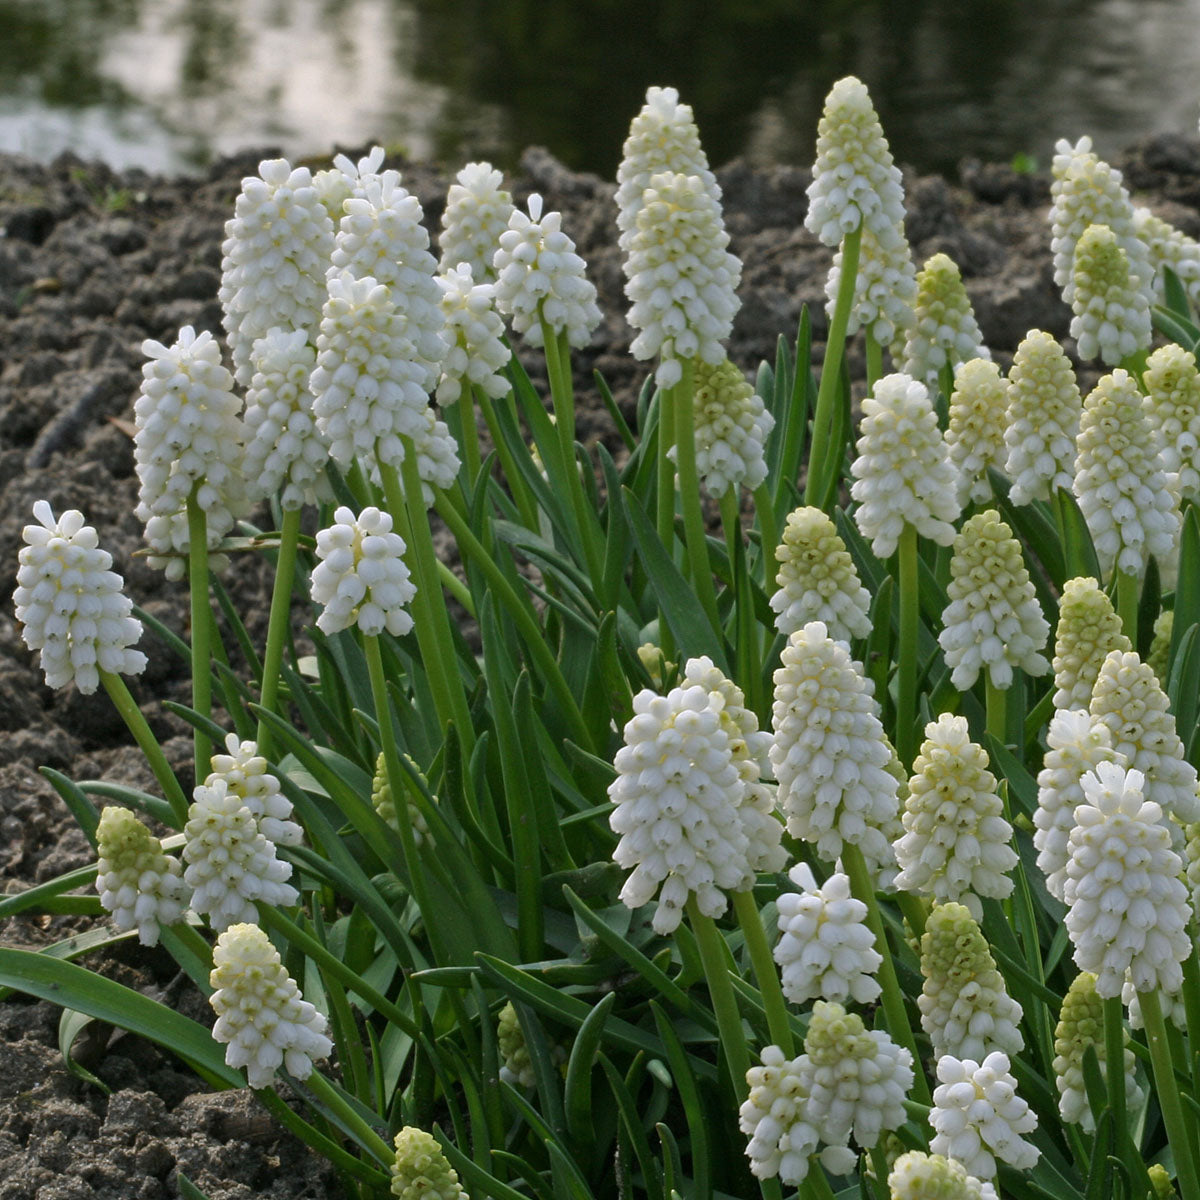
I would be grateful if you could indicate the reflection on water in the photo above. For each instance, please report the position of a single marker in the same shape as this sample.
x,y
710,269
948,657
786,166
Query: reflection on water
x,y
168,84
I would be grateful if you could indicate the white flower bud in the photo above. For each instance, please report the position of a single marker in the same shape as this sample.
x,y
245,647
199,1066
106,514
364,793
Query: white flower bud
x,y
231,864
71,605
475,355
275,255
188,433
944,332
1088,628
956,841
993,621
1169,247
421,1170
775,1116
1120,481
1112,316
978,417
362,578
539,275
919,1176
903,473
884,291
1172,406
139,885
346,179
245,774
825,950
1128,905
476,214
681,279
978,1117
261,1016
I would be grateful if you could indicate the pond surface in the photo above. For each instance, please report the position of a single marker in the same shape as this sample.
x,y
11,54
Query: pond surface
x,y
170,84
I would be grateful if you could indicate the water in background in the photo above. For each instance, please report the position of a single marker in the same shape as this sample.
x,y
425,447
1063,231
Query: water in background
x,y
170,84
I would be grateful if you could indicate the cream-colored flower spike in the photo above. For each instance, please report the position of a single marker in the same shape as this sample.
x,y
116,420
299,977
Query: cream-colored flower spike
x,y
775,1117
475,353
1130,702
662,137
139,885
978,419
1120,481
1112,316
919,1176
1044,406
965,1006
903,473
993,621
855,182
261,1016
731,429
1088,628
421,1170
945,332
1169,247
1080,1025
476,214
955,844
1160,644
884,292
1172,404
817,579
245,773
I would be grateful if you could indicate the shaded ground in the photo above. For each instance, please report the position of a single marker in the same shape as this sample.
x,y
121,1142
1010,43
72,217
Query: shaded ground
x,y
91,263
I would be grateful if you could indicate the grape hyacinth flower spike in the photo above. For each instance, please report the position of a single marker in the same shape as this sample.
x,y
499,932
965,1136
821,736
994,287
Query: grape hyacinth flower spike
x,y
477,212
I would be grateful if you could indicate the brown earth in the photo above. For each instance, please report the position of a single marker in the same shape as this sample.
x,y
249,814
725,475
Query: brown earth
x,y
91,263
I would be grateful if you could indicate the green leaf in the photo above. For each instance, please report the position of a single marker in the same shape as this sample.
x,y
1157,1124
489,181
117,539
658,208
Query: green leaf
x,y
577,1092
1176,297
152,806
82,809
188,1190
70,1025
632,1121
684,1078
1181,331
1183,684
1187,585
1079,554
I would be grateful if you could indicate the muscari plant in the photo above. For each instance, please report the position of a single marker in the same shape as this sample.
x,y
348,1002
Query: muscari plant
x,y
768,807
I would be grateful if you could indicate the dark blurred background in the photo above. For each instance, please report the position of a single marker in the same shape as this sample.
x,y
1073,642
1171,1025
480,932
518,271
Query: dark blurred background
x,y
170,84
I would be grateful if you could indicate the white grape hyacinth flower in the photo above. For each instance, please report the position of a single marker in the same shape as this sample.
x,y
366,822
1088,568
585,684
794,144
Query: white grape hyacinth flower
x,y
676,796
1168,247
71,605
476,214
189,434
978,418
1088,629
903,474
1128,906
284,448
916,1175
774,1116
361,579
944,332
262,1019
539,277
825,950
817,579
830,754
245,773
275,255
231,864
884,292
475,354
139,885
977,1116
1172,405
855,182
1112,315
681,280
346,178
662,137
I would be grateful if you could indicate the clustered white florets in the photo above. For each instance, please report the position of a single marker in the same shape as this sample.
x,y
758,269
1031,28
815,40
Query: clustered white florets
x,y
978,419
188,435
1088,628
1169,247
139,885
71,605
955,844
830,754
245,773
1120,481
681,279
1043,419
1172,405
539,277
1128,906
476,214
421,1170
944,332
919,1176
775,1117
261,1016
817,579
361,578
903,473
884,291
284,448
731,429
978,1117
475,353
1112,316
276,252
825,949
993,621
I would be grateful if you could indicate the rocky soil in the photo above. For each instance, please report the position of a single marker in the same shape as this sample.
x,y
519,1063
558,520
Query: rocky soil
x,y
91,263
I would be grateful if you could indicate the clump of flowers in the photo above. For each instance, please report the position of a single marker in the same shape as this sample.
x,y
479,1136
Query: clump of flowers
x,y
884,291
919,1176
1088,629
476,353
421,1170
476,214
731,428
140,886
384,804
977,424
517,1067
1172,405
945,332
1169,247
1112,316
774,1116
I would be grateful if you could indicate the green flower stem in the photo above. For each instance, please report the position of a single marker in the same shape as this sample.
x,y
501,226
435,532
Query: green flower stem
x,y
665,499
521,494
892,1000
350,1119
910,625
535,642
874,360
689,494
914,911
765,971
1128,588
1114,1058
1191,1005
277,627
768,529
201,616
125,704
1169,1101
714,955
879,1165
1135,364
455,587
997,709
816,1183
431,618
470,435
945,391
824,458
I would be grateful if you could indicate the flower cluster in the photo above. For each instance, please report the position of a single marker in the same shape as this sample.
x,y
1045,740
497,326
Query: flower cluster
x,y
476,353
245,774
944,332
1172,405
421,1170
919,1176
1112,316
384,804
978,419
140,885
731,429
884,292
1169,247
476,214
1088,628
